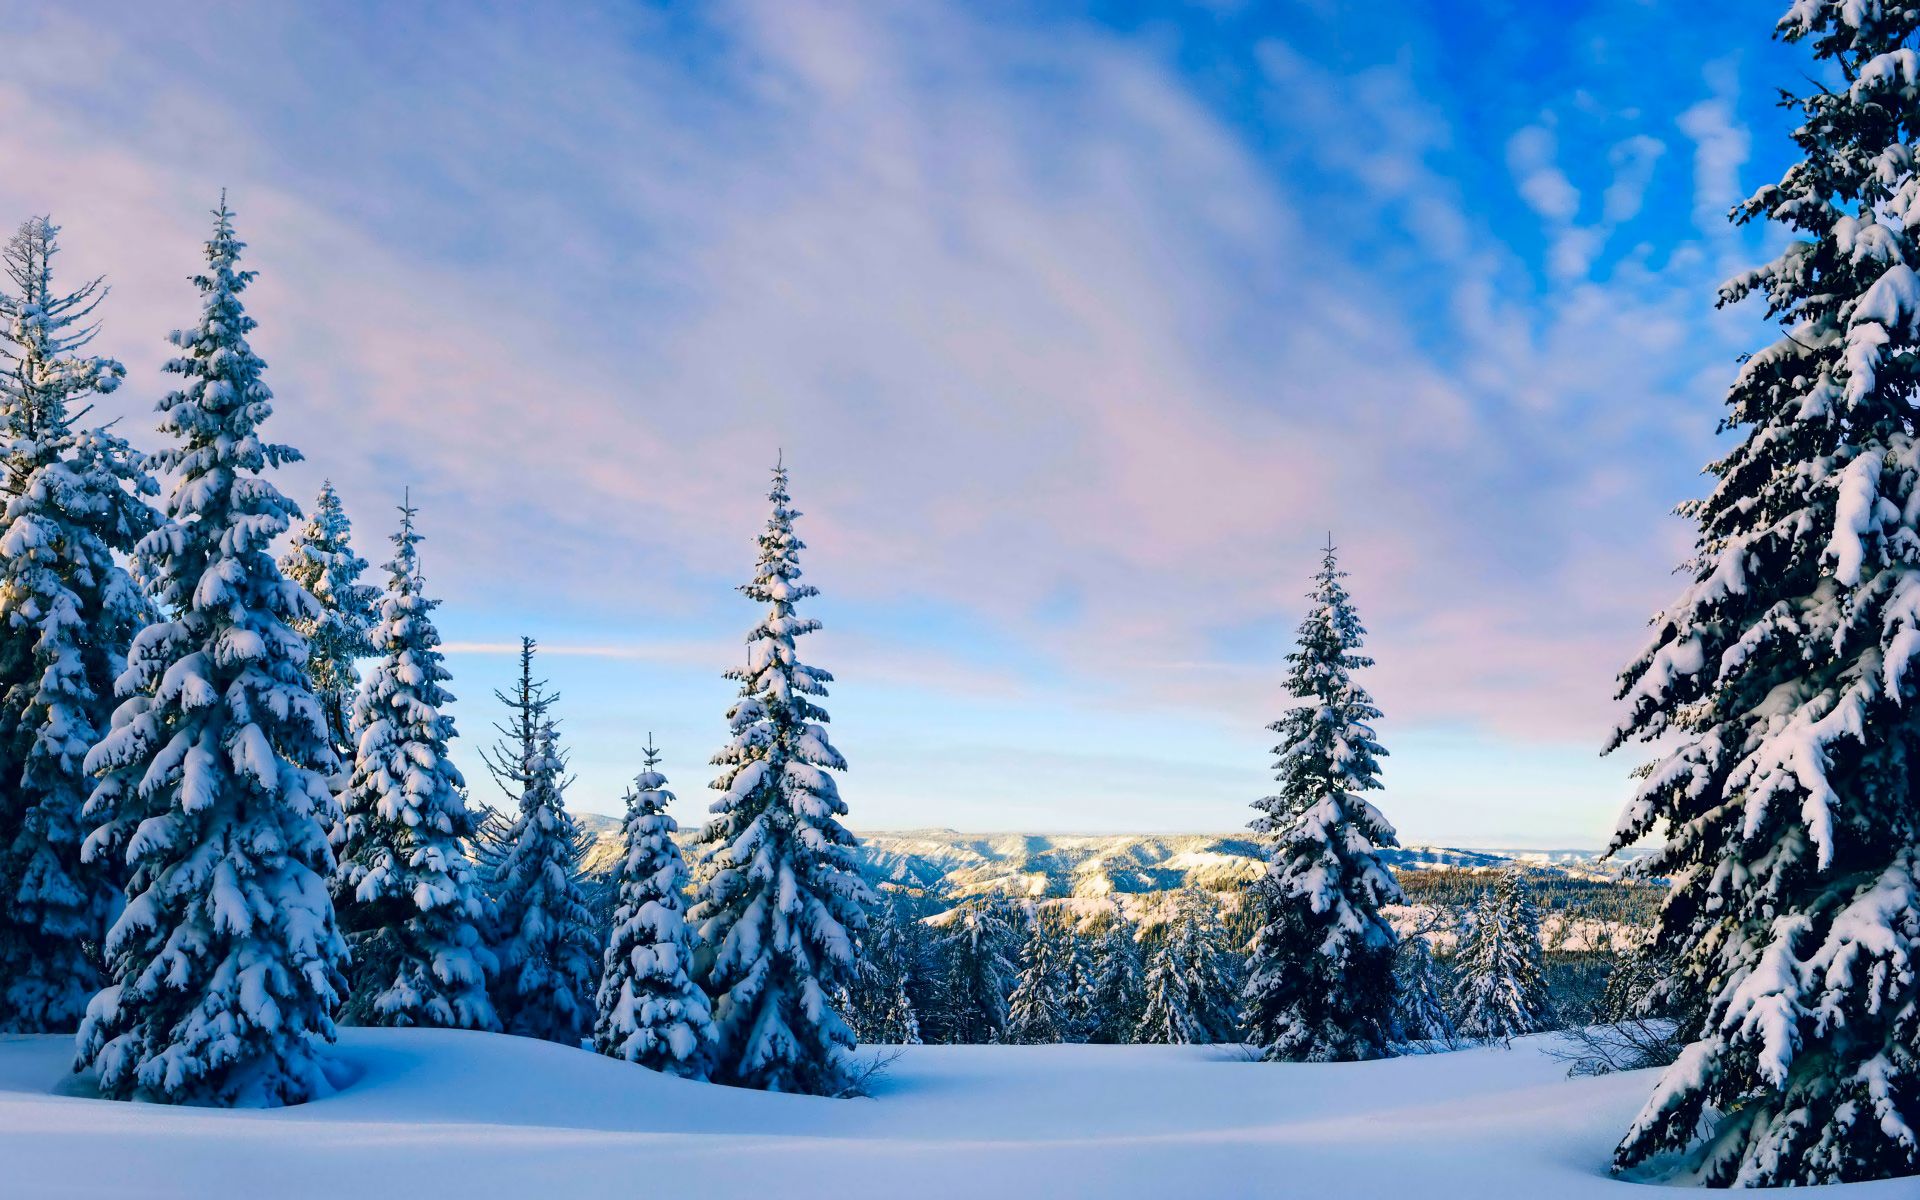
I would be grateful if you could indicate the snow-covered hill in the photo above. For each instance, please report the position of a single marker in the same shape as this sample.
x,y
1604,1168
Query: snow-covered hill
x,y
433,1114
1093,866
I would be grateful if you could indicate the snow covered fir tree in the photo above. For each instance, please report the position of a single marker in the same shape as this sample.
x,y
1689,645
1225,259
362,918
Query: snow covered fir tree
x,y
68,611
1783,675
649,1010
408,899
1420,1013
976,975
546,939
1499,992
1189,991
1118,983
881,1007
322,561
226,964
1319,984
1038,1010
780,906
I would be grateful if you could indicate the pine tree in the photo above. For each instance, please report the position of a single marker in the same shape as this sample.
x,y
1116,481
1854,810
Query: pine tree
x,y
976,975
1189,985
1320,982
514,761
408,899
1499,991
780,904
649,1010
226,963
1119,984
67,614
1783,676
1036,1012
882,1010
1419,1008
548,947
1079,1019
322,561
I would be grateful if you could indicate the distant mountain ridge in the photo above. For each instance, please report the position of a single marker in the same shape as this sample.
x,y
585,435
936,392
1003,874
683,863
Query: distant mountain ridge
x,y
1094,866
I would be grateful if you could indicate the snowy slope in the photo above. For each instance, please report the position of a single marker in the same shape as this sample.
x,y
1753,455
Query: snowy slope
x,y
440,1113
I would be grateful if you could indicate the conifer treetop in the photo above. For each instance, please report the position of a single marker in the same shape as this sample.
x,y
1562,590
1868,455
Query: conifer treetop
x,y
42,367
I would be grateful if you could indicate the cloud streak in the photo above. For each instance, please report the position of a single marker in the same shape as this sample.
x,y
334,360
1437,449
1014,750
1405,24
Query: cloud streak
x,y
1073,360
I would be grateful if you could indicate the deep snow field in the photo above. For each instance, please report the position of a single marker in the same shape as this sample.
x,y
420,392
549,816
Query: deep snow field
x,y
435,1113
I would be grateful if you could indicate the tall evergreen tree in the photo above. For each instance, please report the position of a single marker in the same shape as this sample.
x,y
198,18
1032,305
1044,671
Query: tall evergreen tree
x,y
882,1009
1037,1010
1783,675
548,946
1119,983
976,975
1319,984
67,614
322,561
1190,985
649,1010
780,904
226,963
1499,991
408,899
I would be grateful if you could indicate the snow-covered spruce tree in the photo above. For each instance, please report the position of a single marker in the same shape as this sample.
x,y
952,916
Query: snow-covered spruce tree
x,y
322,561
1037,1010
67,614
408,899
882,1009
1079,1019
1499,991
1189,992
780,905
1784,676
1119,983
226,963
977,975
649,1010
1419,1007
547,945
1319,983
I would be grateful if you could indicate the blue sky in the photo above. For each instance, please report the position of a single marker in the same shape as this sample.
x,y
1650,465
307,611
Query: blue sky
x,y
1079,328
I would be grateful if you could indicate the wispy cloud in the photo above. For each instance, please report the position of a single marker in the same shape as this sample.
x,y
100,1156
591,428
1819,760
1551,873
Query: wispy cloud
x,y
1070,353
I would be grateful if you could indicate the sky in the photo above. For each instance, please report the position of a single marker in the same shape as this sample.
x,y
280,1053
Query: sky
x,y
1080,328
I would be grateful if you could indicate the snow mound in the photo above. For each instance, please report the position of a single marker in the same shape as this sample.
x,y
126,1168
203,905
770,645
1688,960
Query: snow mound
x,y
434,1113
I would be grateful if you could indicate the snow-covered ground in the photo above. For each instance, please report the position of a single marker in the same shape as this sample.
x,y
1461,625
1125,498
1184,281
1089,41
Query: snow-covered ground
x,y
478,1115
